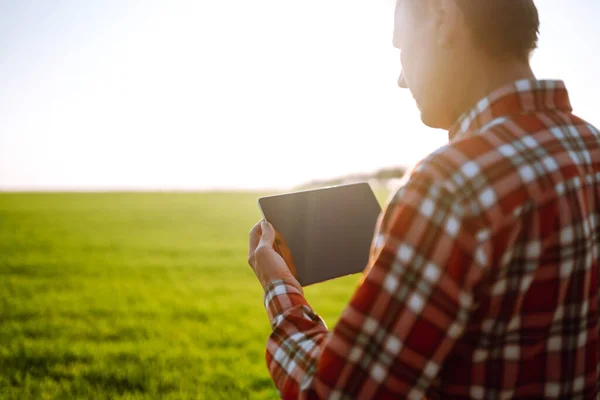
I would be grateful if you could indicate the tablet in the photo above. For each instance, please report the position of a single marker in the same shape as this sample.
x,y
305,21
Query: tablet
x,y
328,231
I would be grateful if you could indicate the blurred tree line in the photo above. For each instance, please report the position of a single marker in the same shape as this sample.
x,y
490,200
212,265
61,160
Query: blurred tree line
x,y
380,177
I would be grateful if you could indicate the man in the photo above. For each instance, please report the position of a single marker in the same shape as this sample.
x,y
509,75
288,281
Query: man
x,y
483,278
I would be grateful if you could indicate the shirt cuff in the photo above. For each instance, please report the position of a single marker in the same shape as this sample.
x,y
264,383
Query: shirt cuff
x,y
280,296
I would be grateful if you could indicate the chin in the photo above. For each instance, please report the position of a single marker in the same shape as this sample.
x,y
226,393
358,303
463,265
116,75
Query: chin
x,y
434,120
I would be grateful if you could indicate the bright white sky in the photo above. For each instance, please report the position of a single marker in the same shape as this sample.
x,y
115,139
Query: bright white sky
x,y
199,94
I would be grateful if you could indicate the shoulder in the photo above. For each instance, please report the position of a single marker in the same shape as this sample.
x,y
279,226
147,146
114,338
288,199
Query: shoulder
x,y
495,173
455,167
473,175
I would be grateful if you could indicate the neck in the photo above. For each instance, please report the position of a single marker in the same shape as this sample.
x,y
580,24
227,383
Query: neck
x,y
484,77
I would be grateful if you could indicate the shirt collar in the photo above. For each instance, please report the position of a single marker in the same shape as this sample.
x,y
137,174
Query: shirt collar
x,y
520,97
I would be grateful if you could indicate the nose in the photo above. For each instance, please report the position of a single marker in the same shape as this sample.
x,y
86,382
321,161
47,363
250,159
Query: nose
x,y
401,81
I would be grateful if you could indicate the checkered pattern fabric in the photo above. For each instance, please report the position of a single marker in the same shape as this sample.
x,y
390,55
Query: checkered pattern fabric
x,y
483,278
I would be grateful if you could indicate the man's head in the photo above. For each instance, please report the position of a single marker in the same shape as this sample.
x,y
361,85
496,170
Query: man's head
x,y
446,45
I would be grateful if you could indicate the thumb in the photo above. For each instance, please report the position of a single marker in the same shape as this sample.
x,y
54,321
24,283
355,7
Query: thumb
x,y
268,234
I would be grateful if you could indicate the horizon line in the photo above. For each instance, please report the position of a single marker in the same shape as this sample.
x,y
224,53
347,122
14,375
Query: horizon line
x,y
136,190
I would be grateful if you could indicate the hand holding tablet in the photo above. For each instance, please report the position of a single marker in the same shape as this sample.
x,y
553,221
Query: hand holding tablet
x,y
328,232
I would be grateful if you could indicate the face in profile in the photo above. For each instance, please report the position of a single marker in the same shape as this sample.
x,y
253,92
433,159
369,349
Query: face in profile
x,y
426,59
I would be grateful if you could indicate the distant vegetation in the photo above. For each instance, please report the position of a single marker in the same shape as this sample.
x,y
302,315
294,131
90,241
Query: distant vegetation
x,y
380,177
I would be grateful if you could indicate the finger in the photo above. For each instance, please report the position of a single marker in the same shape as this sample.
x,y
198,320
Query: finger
x,y
255,234
254,239
268,234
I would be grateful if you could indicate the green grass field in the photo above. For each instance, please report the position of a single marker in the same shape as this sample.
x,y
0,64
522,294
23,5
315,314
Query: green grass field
x,y
131,296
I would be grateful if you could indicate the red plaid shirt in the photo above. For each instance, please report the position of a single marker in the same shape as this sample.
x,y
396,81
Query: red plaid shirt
x,y
483,279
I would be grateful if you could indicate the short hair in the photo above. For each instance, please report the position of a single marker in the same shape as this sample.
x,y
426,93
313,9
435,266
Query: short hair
x,y
503,27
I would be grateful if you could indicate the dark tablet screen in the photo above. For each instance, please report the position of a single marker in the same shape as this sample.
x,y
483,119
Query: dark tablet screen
x,y
329,231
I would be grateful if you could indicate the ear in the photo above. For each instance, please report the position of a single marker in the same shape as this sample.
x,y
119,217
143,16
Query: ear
x,y
448,18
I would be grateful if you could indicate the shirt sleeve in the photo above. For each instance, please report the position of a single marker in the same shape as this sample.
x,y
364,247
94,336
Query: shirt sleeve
x,y
403,320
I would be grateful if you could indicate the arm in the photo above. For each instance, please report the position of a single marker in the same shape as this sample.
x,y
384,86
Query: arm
x,y
402,322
